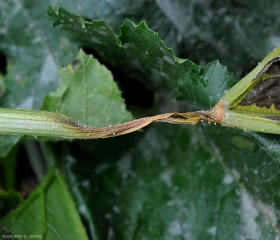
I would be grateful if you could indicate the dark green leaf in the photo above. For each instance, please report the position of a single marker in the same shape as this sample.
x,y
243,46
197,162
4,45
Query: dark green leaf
x,y
237,33
206,87
174,184
269,143
155,63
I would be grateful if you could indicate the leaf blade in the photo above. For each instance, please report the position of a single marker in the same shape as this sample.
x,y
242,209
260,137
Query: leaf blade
x,y
88,94
49,212
135,40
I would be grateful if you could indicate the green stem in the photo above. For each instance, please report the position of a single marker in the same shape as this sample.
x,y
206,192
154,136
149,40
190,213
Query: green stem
x,y
38,123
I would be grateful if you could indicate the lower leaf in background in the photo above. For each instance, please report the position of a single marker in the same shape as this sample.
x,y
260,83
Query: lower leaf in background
x,y
175,183
48,213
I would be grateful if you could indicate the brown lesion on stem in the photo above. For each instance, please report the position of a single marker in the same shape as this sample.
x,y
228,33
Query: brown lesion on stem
x,y
216,115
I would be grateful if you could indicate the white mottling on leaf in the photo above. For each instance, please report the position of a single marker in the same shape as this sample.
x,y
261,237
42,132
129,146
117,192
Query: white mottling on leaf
x,y
249,217
228,179
212,230
166,178
174,228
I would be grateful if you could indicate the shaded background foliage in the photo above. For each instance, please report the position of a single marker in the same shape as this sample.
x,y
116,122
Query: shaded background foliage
x,y
166,182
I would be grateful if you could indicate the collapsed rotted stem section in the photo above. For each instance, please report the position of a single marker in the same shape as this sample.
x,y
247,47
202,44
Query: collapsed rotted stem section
x,y
216,115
